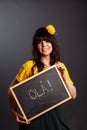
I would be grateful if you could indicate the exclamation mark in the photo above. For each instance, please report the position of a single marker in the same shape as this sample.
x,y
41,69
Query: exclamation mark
x,y
50,84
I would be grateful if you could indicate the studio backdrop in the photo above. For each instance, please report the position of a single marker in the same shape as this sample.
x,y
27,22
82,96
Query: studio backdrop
x,y
18,21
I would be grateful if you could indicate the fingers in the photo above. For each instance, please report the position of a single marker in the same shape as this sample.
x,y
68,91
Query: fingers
x,y
20,118
22,121
18,115
60,67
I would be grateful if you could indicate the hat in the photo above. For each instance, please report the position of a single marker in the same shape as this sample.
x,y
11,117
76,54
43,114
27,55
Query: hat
x,y
51,29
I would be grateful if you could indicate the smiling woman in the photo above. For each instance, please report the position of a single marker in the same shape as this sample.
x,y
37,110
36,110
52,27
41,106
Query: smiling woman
x,y
45,53
45,48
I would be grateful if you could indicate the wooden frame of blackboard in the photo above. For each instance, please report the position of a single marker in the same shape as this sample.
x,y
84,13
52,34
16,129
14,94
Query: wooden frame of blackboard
x,y
26,94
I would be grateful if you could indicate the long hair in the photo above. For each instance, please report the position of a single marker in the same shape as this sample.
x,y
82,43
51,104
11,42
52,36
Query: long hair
x,y
43,34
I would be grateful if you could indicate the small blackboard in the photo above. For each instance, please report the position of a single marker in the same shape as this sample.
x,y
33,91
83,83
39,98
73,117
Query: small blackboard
x,y
40,93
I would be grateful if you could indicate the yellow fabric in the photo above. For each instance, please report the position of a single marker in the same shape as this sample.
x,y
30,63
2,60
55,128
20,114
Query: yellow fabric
x,y
25,71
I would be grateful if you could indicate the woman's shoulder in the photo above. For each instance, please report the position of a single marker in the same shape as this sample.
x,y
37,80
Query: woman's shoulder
x,y
25,70
28,63
60,62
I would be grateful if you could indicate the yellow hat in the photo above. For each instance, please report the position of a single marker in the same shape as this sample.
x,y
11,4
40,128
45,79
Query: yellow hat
x,y
51,29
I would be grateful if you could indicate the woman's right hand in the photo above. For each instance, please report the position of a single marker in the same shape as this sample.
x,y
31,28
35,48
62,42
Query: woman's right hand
x,y
20,118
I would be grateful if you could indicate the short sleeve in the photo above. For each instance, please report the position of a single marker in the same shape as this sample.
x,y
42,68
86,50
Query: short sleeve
x,y
21,74
68,76
25,71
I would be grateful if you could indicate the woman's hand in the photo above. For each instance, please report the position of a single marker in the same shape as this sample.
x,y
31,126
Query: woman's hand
x,y
69,85
61,69
20,118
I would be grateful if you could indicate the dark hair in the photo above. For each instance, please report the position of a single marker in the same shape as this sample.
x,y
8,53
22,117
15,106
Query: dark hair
x,y
43,34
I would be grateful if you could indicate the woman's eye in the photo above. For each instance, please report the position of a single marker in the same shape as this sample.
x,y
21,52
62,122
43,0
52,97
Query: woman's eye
x,y
39,42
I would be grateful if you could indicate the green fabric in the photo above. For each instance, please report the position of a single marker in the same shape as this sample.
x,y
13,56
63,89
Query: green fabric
x,y
52,120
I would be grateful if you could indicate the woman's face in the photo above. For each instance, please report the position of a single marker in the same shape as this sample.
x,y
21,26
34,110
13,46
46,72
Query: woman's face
x,y
45,48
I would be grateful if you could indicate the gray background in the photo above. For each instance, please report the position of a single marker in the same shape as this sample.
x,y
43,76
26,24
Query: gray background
x,y
18,21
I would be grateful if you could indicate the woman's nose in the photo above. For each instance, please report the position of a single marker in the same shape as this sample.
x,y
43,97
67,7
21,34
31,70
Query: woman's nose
x,y
43,43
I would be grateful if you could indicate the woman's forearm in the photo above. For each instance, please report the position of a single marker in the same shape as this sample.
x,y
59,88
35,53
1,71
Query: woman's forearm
x,y
71,88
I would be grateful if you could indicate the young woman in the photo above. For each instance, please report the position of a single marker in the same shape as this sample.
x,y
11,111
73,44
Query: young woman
x,y
45,54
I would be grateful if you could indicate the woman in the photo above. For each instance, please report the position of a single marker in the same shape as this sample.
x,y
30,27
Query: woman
x,y
45,54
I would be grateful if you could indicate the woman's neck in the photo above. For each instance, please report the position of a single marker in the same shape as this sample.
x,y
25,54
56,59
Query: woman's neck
x,y
46,60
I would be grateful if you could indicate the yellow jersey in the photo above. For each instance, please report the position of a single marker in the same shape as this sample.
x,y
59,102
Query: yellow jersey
x,y
25,70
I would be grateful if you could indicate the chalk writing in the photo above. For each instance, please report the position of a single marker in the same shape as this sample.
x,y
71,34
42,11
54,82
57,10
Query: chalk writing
x,y
34,93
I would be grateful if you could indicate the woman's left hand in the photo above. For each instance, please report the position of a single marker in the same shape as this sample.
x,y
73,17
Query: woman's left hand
x,y
69,85
61,69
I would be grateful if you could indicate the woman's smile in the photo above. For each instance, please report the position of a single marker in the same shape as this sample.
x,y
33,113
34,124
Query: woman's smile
x,y
44,47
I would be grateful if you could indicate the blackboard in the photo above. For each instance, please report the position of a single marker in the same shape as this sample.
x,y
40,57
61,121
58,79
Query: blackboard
x,y
40,93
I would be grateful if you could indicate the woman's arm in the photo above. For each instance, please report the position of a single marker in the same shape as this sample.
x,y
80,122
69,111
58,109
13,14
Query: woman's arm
x,y
13,105
69,85
71,88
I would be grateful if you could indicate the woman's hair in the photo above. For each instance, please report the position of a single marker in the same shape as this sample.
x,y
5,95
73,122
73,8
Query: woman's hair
x,y
43,34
